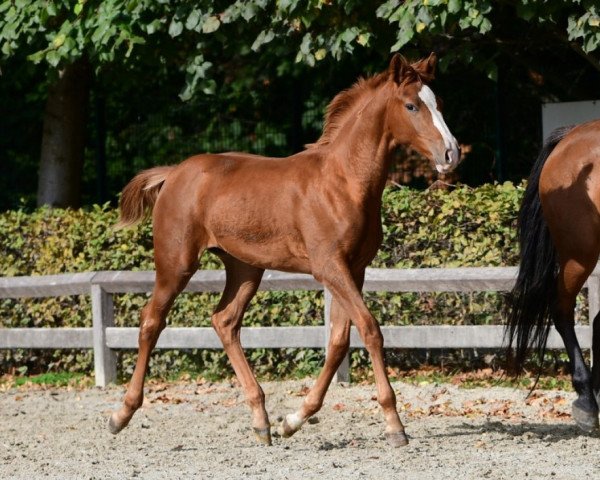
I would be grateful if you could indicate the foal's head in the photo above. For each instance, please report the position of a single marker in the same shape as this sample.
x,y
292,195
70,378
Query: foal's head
x,y
413,113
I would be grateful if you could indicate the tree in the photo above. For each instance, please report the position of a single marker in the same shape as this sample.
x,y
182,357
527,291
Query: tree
x,y
220,47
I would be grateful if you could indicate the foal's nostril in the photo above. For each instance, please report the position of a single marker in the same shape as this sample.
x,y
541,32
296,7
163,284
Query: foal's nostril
x,y
448,156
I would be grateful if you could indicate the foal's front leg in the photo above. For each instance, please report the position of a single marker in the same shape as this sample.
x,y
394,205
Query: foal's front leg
x,y
336,276
339,342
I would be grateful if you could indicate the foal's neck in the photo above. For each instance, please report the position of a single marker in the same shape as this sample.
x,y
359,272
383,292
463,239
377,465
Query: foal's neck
x,y
363,147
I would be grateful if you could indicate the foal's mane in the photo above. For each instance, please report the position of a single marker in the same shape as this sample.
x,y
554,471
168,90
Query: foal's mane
x,y
345,102
342,104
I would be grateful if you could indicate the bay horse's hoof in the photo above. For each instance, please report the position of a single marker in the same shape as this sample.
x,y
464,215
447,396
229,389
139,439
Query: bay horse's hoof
x,y
397,439
597,397
263,435
285,430
114,425
585,419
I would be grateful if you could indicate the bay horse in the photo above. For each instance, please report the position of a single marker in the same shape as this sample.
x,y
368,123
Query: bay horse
x,y
559,236
316,212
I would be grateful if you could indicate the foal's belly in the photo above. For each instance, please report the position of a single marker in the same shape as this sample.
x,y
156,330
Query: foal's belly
x,y
265,253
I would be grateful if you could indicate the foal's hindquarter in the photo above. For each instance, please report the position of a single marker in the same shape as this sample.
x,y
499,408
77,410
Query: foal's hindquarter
x,y
315,212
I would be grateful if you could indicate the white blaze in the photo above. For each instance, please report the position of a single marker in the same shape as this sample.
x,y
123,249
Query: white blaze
x,y
428,98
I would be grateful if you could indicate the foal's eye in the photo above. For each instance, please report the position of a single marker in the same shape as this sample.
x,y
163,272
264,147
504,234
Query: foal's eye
x,y
410,107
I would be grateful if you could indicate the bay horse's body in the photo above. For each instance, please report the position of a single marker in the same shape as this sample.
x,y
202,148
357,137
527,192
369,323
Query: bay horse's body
x,y
315,212
559,232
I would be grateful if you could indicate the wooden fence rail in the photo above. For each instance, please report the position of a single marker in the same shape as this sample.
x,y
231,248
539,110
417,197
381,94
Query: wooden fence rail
x,y
105,338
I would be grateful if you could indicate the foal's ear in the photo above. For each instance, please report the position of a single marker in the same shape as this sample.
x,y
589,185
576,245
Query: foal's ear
x,y
399,68
426,67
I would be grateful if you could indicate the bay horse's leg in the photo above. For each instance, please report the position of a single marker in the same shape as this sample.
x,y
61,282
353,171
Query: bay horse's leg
x,y
241,285
596,358
339,343
336,276
571,277
173,271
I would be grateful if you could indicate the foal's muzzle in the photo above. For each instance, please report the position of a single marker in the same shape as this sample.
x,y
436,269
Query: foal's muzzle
x,y
450,161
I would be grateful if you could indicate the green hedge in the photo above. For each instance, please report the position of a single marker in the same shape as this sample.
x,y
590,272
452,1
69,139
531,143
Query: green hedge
x,y
434,228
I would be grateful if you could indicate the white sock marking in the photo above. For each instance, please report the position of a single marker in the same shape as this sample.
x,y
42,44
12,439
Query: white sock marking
x,y
294,420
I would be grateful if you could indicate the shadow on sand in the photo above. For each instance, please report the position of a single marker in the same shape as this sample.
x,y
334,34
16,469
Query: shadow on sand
x,y
546,432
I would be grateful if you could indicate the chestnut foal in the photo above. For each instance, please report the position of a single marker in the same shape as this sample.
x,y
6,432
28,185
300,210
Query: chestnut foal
x,y
317,212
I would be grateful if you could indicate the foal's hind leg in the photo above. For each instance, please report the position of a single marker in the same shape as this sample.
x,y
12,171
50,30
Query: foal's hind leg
x,y
173,271
241,285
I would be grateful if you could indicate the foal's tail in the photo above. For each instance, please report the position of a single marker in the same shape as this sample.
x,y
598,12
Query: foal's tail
x,y
140,194
529,306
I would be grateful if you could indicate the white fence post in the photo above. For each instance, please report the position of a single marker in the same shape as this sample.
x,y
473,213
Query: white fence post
x,y
105,359
343,372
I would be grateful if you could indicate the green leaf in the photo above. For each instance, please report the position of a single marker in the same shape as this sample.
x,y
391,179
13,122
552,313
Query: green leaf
x,y
404,36
249,11
526,10
306,44
51,9
36,57
485,26
288,5
363,39
58,40
53,58
263,38
211,24
349,34
153,26
175,28
193,19
454,6
591,43
210,87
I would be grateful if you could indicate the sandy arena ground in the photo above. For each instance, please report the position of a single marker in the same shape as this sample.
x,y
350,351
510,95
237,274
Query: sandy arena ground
x,y
202,430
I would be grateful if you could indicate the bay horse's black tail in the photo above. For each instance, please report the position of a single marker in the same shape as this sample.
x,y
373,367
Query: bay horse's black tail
x,y
529,306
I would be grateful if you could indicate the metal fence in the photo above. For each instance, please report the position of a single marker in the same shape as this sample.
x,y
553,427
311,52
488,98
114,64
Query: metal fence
x,y
105,338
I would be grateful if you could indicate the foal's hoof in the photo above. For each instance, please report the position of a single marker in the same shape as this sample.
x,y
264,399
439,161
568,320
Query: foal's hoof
x,y
397,439
114,425
285,430
263,435
585,419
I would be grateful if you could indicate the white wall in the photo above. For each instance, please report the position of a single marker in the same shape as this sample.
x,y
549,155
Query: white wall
x,y
556,115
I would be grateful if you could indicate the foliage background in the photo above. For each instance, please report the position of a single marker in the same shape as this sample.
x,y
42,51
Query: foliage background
x,y
174,78
433,228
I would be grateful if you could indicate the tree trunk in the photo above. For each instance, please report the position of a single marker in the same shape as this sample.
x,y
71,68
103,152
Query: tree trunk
x,y
63,138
